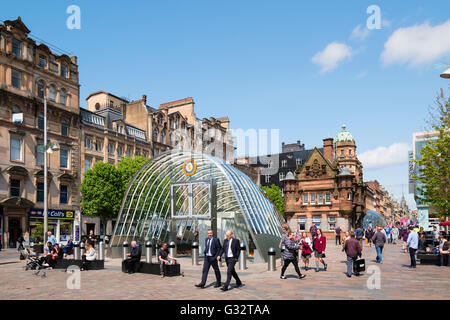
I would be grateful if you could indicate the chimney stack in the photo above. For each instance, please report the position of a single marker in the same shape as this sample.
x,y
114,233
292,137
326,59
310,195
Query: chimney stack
x,y
328,149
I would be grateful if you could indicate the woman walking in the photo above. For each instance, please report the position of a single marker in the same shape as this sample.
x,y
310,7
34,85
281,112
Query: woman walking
x,y
369,235
305,242
290,255
320,243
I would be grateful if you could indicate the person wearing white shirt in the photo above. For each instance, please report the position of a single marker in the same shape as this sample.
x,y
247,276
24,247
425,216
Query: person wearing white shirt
x,y
231,249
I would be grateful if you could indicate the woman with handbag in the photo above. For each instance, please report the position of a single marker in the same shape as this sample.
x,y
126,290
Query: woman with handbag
x,y
290,255
320,243
305,242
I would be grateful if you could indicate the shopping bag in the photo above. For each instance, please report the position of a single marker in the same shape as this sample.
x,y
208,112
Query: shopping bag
x,y
360,265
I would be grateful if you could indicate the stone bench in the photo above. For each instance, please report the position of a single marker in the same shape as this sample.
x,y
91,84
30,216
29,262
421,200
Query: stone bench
x,y
65,263
428,258
170,270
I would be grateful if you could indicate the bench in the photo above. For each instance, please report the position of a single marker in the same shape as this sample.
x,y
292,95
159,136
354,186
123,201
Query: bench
x,y
170,270
65,263
428,258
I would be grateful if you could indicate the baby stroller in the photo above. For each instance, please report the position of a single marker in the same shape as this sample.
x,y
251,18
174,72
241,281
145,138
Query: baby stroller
x,y
33,262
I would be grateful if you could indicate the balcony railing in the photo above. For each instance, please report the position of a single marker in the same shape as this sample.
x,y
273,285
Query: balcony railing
x,y
92,118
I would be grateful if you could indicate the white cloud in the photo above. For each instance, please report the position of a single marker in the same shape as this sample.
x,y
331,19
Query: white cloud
x,y
382,157
417,45
331,56
359,33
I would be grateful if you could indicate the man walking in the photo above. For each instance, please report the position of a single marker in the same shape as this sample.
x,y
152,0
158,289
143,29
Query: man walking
x,y
133,257
379,239
359,233
51,238
412,243
353,250
212,251
231,250
337,231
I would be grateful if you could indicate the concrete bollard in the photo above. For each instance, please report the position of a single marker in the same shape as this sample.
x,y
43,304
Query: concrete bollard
x,y
82,249
173,249
148,252
195,252
124,250
243,257
76,251
271,261
101,251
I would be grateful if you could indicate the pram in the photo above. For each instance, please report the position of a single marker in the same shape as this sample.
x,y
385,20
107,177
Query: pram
x,y
33,262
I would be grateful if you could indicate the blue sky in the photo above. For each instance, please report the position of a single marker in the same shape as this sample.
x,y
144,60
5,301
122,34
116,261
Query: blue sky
x,y
253,61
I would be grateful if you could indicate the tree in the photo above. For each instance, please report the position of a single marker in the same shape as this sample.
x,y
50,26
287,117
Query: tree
x,y
275,196
104,187
102,191
433,166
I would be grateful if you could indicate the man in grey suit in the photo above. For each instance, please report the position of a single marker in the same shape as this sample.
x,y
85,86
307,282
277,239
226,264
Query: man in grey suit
x,y
212,250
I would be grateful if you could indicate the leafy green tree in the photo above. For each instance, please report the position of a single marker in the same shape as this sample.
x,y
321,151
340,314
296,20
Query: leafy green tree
x,y
274,194
102,191
129,166
433,166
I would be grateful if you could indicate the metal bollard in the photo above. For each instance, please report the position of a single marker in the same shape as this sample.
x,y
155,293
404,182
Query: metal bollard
x,y
76,251
124,250
101,251
271,261
283,247
157,246
148,252
195,253
173,249
82,249
243,257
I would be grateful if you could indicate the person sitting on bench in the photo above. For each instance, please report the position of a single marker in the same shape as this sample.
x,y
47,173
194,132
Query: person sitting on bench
x,y
444,254
133,257
164,258
88,256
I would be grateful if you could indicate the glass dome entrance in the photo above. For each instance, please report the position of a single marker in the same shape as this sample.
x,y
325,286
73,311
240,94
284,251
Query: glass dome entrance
x,y
201,192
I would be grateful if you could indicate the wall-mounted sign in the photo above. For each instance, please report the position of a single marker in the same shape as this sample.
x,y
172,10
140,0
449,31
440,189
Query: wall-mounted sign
x,y
52,214
189,167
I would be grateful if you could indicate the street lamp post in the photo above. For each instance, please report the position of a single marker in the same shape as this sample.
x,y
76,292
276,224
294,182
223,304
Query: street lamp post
x,y
48,148
446,74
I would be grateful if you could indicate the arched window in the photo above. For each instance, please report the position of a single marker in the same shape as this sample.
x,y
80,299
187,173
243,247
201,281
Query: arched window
x,y
97,106
162,137
41,89
62,97
52,93
155,135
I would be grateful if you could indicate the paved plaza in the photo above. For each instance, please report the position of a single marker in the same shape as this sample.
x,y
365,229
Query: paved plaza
x,y
397,281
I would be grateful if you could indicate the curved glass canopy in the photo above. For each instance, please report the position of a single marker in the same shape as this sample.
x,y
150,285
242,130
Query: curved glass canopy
x,y
374,219
180,192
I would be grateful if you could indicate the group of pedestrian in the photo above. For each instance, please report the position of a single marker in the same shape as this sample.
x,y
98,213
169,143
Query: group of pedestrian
x,y
213,254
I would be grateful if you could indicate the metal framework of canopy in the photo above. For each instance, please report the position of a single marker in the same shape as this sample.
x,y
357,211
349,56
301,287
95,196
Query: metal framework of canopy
x,y
236,203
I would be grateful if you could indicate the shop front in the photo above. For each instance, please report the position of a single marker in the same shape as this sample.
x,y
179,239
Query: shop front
x,y
60,223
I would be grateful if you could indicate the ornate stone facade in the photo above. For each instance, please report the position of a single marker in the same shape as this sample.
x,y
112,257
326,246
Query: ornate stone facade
x,y
327,190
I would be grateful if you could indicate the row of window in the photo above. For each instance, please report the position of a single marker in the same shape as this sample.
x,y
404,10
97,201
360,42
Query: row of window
x,y
16,191
16,82
40,121
316,198
17,153
52,66
317,221
98,146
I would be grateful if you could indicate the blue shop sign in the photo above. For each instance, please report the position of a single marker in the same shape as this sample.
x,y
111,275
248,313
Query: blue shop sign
x,y
52,214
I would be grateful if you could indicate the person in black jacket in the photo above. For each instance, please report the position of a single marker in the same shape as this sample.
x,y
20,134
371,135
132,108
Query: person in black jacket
x,y
231,249
133,257
212,250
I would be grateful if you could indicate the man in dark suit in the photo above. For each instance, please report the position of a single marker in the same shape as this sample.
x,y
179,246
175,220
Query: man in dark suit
x,y
133,257
231,249
212,250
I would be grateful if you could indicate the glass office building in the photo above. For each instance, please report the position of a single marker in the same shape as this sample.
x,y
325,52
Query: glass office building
x,y
180,192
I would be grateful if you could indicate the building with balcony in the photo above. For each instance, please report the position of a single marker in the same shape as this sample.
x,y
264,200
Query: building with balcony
x,y
28,72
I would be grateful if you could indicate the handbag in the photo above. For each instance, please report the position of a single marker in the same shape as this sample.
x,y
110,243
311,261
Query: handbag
x,y
323,255
360,265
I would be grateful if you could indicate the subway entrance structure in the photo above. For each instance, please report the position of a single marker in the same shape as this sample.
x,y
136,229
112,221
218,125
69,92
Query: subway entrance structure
x,y
182,191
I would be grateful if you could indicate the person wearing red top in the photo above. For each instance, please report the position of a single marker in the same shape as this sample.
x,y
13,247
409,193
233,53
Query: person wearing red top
x,y
320,243
306,249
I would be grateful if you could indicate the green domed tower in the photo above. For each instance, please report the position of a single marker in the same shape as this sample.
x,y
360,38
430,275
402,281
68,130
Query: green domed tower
x,y
345,155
